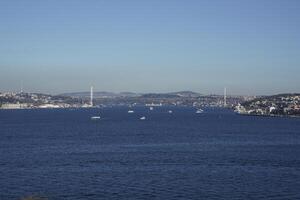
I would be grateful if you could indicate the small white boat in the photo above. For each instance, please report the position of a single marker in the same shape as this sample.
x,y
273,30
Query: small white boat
x,y
170,111
151,108
95,118
143,118
130,111
199,111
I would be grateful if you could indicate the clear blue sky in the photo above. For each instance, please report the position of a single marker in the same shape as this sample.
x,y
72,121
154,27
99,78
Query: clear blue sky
x,y
54,46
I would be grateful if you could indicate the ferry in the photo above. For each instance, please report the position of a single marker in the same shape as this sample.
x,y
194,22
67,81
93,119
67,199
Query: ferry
x,y
95,118
154,104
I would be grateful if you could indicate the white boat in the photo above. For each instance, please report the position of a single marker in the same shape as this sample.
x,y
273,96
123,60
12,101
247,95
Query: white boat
x,y
199,111
151,108
143,118
170,111
95,118
154,104
130,111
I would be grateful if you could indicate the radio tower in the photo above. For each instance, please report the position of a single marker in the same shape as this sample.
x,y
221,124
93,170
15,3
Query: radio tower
x,y
91,103
225,97
21,91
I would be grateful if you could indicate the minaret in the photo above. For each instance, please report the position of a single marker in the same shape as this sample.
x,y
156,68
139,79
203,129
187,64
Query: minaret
x,y
91,103
225,97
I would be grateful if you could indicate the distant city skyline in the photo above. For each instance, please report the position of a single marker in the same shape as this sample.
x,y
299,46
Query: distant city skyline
x,y
249,47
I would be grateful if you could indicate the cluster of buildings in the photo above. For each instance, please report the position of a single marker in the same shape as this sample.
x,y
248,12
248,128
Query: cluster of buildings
x,y
11,100
285,104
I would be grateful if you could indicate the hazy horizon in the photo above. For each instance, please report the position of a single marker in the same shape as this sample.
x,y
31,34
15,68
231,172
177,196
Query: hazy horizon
x,y
59,46
219,92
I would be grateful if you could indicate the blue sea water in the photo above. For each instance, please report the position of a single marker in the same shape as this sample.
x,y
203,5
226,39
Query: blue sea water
x,y
62,154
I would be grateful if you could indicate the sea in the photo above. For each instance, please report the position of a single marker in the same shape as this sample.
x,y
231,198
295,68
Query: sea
x,y
61,154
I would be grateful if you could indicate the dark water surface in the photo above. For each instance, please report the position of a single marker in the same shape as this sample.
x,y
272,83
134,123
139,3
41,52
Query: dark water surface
x,y
62,154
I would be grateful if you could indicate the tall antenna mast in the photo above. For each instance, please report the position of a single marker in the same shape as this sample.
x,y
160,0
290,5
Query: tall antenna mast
x,y
225,97
21,87
91,103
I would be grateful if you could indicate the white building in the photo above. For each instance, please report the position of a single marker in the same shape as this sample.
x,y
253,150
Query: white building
x,y
14,106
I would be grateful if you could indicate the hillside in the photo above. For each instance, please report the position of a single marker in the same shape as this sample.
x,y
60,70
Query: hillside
x,y
281,104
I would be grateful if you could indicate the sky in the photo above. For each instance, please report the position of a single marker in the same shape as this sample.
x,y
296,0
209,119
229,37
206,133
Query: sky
x,y
251,47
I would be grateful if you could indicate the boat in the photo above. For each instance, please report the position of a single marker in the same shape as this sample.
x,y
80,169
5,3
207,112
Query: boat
x,y
199,111
170,111
143,118
95,118
154,104
130,111
151,108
